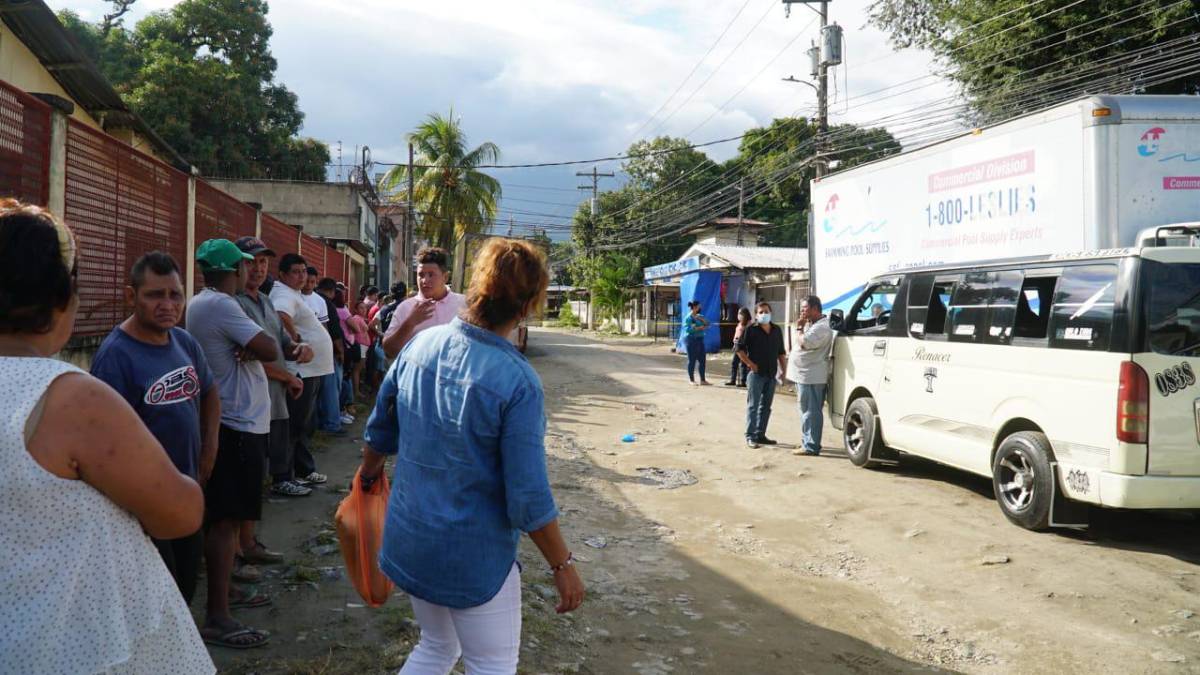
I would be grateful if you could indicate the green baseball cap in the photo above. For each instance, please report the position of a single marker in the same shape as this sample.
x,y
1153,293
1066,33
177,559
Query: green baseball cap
x,y
220,255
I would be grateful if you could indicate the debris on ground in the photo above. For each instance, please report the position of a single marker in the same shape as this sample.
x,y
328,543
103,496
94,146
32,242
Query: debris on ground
x,y
596,541
994,560
668,479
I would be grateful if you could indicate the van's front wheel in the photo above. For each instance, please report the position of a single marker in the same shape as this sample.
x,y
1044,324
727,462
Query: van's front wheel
x,y
1023,480
859,434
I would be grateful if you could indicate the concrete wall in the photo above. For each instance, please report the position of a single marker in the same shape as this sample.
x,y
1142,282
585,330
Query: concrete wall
x,y
332,210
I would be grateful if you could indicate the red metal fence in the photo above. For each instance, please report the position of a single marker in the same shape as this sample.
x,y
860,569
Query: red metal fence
x,y
120,204
24,146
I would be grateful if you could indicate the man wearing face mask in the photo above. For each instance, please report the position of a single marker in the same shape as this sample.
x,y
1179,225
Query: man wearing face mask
x,y
763,353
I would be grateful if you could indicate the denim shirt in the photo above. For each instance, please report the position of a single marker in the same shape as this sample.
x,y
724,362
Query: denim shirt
x,y
463,412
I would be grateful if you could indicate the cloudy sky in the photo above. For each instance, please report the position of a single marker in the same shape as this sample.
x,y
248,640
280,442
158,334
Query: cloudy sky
x,y
555,80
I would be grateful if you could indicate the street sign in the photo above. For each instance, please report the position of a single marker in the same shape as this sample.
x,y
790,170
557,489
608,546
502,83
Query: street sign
x,y
672,269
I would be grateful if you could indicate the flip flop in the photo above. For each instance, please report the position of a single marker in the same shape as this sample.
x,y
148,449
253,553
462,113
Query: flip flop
x,y
248,600
228,638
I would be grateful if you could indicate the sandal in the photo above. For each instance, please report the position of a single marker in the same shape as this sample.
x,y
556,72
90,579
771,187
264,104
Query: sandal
x,y
234,638
247,574
261,555
249,599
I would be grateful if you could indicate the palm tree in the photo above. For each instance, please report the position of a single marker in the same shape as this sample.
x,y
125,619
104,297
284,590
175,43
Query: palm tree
x,y
452,197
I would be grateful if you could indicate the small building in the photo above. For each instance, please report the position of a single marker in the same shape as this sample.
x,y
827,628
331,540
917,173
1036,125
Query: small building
x,y
343,214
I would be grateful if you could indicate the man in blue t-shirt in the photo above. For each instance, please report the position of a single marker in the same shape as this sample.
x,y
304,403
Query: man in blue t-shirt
x,y
161,372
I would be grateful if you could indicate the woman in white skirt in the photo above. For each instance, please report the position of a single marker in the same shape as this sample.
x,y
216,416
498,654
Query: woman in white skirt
x,y
82,482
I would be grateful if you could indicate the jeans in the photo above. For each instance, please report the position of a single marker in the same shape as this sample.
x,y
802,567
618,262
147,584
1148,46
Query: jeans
x,y
737,370
488,637
811,398
279,451
300,415
329,412
759,395
695,354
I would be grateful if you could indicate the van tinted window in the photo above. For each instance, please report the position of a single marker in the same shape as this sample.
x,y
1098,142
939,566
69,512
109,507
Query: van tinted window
x,y
968,307
1083,307
1002,306
919,288
1172,307
1033,307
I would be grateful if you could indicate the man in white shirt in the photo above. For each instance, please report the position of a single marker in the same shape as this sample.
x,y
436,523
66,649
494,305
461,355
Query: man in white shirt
x,y
316,302
300,322
808,367
433,305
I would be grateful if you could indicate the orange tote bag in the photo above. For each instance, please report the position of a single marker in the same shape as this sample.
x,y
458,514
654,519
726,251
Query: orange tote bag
x,y
359,521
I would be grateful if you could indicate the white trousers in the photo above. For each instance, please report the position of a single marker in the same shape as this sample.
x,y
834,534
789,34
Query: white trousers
x,y
487,637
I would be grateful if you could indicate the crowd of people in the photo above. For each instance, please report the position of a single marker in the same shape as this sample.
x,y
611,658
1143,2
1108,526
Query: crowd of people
x,y
116,486
761,361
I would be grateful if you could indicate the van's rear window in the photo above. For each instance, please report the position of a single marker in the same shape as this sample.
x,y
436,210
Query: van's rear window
x,y
1172,301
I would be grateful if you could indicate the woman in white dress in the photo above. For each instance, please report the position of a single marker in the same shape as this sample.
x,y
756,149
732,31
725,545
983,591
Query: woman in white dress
x,y
82,482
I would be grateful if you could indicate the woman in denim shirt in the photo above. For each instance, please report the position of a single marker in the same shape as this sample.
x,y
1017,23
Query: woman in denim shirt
x,y
463,412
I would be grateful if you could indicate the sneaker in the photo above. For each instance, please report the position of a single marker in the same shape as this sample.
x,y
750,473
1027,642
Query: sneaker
x,y
741,385
247,574
259,554
705,383
289,488
347,419
751,443
766,441
313,478
730,383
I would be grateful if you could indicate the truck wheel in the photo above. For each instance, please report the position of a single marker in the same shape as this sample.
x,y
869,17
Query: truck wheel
x,y
859,433
1023,480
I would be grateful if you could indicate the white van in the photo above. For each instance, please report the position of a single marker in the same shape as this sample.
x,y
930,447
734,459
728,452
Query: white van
x,y
1067,378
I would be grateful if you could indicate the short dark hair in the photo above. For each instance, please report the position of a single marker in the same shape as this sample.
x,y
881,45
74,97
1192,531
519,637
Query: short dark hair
x,y
290,260
215,277
34,278
813,301
312,271
399,290
371,290
763,303
434,256
327,284
339,298
156,261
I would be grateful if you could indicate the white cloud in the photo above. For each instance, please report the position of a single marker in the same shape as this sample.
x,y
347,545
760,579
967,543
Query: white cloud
x,y
550,80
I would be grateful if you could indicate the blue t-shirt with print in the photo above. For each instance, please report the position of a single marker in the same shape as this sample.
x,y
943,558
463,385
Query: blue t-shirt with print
x,y
164,384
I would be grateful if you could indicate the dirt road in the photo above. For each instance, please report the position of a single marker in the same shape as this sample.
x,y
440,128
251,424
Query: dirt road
x,y
702,555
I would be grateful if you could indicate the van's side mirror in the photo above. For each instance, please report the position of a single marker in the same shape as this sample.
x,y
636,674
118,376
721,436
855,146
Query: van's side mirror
x,y
837,318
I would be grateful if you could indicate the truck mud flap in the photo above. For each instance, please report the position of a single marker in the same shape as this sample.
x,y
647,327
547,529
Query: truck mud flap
x,y
1066,513
883,456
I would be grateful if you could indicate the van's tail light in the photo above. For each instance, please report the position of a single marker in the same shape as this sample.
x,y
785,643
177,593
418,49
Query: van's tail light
x,y
1133,404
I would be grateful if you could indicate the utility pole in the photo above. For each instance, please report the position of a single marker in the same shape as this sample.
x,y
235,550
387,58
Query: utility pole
x,y
594,187
741,205
409,242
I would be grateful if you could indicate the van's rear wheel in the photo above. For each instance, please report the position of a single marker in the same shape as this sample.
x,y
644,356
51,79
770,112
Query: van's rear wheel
x,y
859,434
1023,480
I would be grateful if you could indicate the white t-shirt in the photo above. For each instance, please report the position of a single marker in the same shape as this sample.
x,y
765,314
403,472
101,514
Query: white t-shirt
x,y
317,303
304,319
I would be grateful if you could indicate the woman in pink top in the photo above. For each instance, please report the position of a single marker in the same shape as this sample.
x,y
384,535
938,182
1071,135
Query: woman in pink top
x,y
357,324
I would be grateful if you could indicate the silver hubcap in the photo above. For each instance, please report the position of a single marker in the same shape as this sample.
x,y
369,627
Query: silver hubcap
x,y
854,433
1017,481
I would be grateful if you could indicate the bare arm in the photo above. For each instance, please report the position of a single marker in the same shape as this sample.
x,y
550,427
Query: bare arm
x,y
392,344
88,432
263,347
549,541
210,430
289,326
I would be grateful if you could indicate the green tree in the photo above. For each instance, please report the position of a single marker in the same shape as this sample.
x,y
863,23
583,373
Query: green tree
x,y
202,75
997,50
453,197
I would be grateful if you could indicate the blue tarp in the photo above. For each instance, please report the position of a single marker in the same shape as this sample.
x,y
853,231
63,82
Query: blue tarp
x,y
706,288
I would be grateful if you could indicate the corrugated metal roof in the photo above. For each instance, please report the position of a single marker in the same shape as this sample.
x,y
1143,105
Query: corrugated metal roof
x,y
37,27
754,257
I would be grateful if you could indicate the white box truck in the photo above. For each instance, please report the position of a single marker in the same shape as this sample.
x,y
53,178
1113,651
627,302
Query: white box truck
x,y
1084,175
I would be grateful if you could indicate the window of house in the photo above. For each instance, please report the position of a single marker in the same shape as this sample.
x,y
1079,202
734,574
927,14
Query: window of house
x,y
1083,308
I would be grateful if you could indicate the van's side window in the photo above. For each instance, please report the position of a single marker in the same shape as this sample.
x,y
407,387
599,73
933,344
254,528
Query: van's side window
x,y
1033,307
1083,307
919,289
939,303
1002,306
874,308
969,307
1172,307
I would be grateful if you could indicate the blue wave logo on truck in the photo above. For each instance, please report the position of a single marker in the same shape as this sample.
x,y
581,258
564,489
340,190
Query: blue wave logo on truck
x,y
829,222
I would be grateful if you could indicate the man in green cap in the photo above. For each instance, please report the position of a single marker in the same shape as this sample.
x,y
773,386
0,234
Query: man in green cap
x,y
235,348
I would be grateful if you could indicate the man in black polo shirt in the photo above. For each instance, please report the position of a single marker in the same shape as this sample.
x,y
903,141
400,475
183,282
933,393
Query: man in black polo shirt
x,y
764,355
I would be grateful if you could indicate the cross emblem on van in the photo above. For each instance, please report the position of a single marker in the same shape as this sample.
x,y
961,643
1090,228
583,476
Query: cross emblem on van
x,y
930,376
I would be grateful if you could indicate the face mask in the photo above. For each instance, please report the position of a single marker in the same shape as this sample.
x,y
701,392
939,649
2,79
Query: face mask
x,y
764,318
